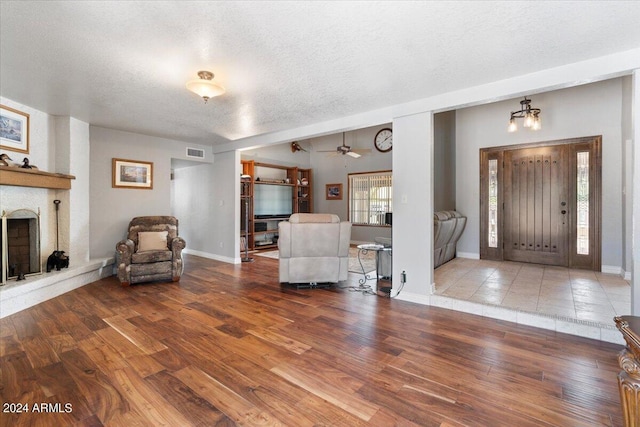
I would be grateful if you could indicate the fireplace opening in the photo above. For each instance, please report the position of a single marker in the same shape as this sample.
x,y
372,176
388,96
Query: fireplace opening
x,y
20,244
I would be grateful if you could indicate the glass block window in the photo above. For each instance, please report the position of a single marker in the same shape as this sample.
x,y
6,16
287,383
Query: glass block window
x,y
493,203
370,197
582,203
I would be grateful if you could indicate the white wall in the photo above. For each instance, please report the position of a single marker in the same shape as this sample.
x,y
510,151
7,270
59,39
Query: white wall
x,y
113,208
205,203
627,173
444,164
72,157
226,210
330,169
192,205
635,196
593,109
413,202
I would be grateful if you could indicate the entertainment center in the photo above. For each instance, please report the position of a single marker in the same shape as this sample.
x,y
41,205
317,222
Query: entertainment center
x,y
270,194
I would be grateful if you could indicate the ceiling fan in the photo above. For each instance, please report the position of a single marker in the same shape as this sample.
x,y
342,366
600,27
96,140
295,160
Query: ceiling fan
x,y
345,149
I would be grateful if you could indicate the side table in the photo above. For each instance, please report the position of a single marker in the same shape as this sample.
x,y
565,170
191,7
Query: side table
x,y
363,249
629,377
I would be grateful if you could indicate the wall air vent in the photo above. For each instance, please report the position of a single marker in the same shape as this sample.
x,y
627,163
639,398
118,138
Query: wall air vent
x,y
197,153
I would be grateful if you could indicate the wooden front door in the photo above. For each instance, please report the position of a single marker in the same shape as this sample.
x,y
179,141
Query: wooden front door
x,y
541,203
536,198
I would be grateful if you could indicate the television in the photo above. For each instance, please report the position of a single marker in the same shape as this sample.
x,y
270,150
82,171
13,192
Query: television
x,y
272,200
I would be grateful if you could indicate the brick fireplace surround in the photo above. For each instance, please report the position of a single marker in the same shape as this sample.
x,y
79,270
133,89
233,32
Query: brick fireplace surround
x,y
36,191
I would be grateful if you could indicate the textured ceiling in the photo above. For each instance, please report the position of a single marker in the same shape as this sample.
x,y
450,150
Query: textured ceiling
x,y
124,64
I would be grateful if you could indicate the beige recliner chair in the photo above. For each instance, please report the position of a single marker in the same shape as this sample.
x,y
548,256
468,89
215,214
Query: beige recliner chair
x,y
314,249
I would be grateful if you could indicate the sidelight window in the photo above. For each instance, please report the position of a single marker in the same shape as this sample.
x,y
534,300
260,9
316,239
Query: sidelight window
x,y
493,203
582,203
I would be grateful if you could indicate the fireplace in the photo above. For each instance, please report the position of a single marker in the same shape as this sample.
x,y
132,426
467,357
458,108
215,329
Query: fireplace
x,y
20,248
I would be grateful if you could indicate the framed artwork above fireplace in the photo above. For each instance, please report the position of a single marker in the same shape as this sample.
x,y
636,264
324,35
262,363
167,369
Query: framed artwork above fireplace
x,y
14,130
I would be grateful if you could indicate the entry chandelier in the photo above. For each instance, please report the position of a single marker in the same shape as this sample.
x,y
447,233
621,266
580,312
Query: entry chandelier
x,y
530,115
204,86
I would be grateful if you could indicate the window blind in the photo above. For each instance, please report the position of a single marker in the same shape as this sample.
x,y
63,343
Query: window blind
x,y
370,197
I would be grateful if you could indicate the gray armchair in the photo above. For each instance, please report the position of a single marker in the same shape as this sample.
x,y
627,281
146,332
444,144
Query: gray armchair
x,y
447,229
314,248
151,252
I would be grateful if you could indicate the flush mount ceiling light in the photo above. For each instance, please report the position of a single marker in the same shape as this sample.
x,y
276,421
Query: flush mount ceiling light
x,y
204,86
530,115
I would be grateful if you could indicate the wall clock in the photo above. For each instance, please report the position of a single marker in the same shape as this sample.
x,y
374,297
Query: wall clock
x,y
383,140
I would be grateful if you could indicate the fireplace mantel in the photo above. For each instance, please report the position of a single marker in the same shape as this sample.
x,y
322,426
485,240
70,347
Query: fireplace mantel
x,y
34,178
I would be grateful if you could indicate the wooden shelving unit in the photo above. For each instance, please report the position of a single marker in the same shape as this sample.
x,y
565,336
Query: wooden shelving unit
x,y
246,204
303,193
300,180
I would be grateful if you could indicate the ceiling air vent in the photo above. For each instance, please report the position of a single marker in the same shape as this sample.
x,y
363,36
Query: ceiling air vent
x,y
195,152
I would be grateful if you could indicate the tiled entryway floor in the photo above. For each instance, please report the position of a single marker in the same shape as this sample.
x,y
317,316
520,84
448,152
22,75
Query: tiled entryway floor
x,y
555,291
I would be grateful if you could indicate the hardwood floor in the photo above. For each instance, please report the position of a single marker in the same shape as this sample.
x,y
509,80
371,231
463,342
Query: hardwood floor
x,y
229,346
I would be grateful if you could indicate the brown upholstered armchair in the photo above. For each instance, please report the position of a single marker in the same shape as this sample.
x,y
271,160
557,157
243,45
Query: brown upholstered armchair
x,y
151,252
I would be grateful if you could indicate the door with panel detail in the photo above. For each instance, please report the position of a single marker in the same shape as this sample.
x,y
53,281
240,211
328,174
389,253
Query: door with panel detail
x,y
537,205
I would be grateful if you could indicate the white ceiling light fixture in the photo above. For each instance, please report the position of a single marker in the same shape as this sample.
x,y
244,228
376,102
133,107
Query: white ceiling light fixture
x,y
204,86
530,115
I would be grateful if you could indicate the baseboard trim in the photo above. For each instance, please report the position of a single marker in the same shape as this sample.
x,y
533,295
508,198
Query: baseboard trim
x,y
468,255
212,256
612,269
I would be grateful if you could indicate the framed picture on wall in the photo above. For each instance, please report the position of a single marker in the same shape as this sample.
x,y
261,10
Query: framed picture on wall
x,y
132,174
334,191
14,130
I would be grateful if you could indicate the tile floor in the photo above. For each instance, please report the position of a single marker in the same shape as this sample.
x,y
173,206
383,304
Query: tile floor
x,y
556,291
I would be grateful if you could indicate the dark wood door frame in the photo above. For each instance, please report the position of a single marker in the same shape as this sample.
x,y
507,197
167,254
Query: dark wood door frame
x,y
592,145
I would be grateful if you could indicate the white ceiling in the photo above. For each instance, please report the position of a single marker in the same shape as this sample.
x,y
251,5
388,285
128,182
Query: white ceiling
x,y
124,64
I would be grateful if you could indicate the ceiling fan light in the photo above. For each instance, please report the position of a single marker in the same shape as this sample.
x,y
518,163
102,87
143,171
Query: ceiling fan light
x,y
204,86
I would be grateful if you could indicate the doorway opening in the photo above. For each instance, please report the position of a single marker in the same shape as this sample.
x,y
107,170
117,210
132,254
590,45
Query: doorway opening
x,y
541,203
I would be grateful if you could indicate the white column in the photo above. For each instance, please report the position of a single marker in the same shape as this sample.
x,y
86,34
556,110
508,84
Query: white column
x,y
635,191
72,148
413,206
225,238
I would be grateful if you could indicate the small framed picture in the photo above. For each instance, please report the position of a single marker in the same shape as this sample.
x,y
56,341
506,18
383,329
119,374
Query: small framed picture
x,y
334,191
14,130
132,174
